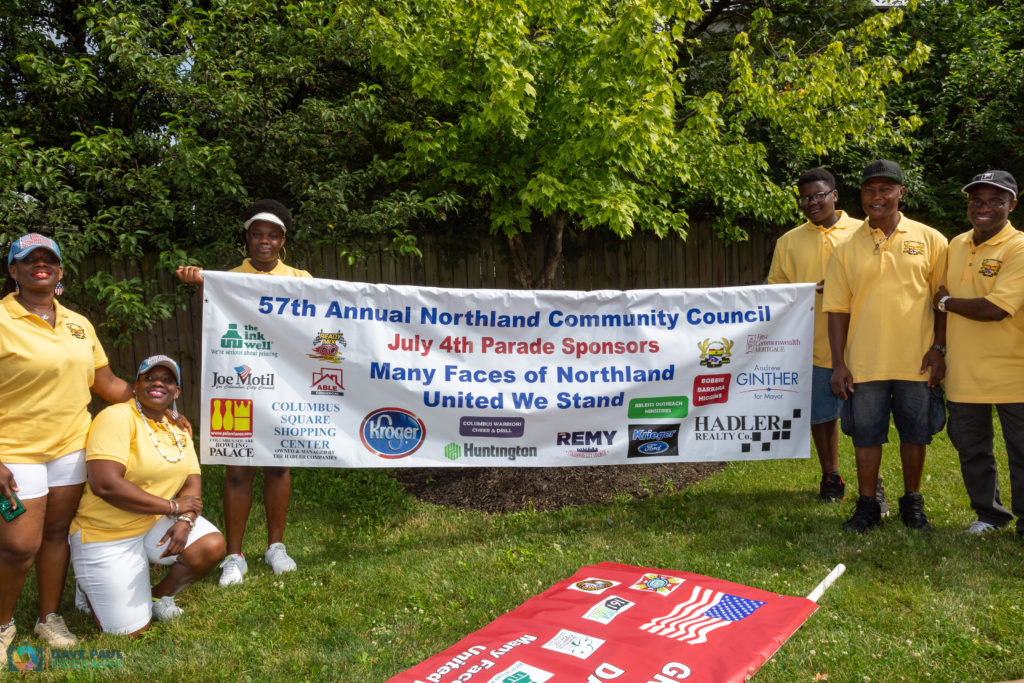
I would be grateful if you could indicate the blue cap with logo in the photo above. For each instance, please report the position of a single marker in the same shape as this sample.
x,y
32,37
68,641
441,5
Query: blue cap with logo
x,y
154,361
26,244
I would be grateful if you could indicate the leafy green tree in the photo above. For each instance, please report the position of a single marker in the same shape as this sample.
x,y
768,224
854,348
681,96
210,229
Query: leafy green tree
x,y
556,116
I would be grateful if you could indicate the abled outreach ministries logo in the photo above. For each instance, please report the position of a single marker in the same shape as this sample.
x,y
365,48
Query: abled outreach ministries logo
x,y
392,433
231,418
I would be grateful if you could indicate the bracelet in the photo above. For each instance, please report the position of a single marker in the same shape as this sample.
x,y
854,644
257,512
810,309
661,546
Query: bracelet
x,y
176,508
188,520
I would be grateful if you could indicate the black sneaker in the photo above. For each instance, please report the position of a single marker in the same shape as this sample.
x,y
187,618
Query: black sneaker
x,y
912,512
880,497
865,517
832,488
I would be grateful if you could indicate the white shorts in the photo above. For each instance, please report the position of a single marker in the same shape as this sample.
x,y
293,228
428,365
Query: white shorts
x,y
115,574
35,480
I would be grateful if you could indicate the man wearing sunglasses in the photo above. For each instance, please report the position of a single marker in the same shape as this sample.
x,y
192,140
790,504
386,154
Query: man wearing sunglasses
x,y
801,255
985,334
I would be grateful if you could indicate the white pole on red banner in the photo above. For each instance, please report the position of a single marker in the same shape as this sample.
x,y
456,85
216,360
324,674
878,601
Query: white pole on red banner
x,y
827,582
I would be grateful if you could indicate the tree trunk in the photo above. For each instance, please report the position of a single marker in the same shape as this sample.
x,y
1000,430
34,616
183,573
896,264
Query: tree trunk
x,y
520,247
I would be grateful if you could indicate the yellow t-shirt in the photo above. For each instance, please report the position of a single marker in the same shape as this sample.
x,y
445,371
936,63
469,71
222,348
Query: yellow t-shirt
x,y
45,375
985,360
118,433
279,269
802,255
886,285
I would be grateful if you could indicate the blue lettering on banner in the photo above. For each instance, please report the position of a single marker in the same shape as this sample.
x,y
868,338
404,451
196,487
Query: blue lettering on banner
x,y
761,314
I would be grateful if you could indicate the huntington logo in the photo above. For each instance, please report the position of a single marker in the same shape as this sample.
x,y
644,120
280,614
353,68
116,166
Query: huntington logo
x,y
248,341
452,451
231,418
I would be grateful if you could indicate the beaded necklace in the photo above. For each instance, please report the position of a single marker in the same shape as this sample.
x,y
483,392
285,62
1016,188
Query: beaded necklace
x,y
156,442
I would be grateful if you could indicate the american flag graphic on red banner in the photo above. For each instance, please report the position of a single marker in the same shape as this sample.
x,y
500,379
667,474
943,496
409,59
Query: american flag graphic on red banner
x,y
692,620
616,622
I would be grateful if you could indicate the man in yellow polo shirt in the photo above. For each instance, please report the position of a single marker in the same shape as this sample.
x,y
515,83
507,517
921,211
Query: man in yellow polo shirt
x,y
985,333
801,255
887,341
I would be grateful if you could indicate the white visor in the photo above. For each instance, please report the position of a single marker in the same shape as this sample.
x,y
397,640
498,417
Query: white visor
x,y
265,216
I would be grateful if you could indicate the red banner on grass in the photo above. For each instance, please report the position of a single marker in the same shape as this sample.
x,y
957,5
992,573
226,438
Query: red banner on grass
x,y
615,622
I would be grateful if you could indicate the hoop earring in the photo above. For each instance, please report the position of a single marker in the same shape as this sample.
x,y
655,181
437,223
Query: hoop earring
x,y
59,289
283,253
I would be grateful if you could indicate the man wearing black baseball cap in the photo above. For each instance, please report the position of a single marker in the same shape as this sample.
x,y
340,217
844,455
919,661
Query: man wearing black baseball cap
x,y
887,342
985,333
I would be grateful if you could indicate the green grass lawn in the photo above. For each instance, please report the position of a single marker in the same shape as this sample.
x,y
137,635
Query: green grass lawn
x,y
385,581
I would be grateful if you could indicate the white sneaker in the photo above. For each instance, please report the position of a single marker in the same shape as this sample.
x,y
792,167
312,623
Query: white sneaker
x,y
54,631
7,636
164,608
278,559
81,602
235,568
980,528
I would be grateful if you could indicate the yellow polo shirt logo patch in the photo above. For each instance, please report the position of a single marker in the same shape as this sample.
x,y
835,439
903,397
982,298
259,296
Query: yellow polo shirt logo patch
x,y
913,248
77,331
990,267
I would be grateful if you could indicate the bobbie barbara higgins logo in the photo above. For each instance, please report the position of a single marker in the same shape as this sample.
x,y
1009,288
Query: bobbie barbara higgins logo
x,y
243,378
327,346
648,441
392,433
715,354
327,382
248,341
231,418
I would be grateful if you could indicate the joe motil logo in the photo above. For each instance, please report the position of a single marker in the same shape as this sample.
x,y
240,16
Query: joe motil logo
x,y
243,378
653,440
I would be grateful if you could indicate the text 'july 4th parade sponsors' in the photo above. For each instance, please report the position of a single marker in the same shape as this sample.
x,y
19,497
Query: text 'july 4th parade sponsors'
x,y
309,372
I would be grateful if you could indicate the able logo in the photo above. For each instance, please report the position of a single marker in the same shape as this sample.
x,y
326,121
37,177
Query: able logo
x,y
327,382
715,354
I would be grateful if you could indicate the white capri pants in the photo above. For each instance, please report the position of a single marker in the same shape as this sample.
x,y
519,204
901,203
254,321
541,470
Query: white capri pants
x,y
115,574
35,480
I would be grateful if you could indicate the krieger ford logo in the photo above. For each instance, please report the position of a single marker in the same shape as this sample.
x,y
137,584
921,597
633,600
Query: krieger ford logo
x,y
392,433
648,441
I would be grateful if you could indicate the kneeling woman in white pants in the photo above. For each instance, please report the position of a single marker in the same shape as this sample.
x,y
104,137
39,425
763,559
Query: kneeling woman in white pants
x,y
141,505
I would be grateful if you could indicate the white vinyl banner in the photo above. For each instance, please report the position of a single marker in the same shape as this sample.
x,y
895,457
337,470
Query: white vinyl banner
x,y
323,373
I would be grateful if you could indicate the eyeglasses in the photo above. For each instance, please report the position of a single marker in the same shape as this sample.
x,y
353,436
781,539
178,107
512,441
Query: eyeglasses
x,y
804,200
994,204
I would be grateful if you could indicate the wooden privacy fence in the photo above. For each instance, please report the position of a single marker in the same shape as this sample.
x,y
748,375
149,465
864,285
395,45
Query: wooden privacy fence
x,y
594,260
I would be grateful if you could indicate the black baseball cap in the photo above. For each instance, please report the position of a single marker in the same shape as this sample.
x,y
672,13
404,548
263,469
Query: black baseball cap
x,y
882,168
1000,179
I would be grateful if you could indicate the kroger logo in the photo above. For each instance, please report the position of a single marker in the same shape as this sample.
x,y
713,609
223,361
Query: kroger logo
x,y
392,432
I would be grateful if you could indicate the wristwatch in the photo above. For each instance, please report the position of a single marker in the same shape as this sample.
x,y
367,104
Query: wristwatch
x,y
940,349
942,303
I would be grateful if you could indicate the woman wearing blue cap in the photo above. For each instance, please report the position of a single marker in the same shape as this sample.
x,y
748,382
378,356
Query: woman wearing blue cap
x,y
141,505
50,361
